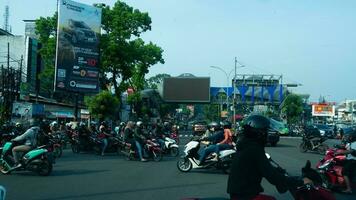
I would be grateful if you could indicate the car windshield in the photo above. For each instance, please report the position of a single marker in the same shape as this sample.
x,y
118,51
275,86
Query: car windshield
x,y
277,124
321,126
80,24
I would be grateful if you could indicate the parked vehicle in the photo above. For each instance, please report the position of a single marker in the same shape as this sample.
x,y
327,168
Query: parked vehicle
x,y
189,161
38,160
330,169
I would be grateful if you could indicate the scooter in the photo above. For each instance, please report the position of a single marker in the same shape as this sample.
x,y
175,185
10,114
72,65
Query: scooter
x,y
171,147
38,160
330,169
313,144
189,161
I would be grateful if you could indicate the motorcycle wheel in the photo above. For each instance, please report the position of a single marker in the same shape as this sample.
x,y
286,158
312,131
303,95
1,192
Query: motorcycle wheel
x,y
45,168
184,165
174,152
157,156
57,153
75,148
4,169
303,147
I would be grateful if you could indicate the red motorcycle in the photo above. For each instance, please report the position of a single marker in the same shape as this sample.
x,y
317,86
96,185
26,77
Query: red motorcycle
x,y
152,148
175,137
330,168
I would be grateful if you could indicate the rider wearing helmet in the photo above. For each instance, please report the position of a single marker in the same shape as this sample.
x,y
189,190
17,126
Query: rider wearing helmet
x,y
350,164
18,129
139,137
216,137
250,164
30,141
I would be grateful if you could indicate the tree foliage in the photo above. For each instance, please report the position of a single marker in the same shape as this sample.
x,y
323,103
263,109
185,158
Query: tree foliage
x,y
46,29
123,53
292,108
211,112
154,81
102,105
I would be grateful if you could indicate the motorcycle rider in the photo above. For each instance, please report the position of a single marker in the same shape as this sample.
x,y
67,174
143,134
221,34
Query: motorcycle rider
x,y
227,142
216,137
30,138
140,137
250,164
350,163
103,135
129,138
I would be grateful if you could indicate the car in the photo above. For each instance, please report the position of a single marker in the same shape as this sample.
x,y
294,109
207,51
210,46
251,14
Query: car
x,y
325,130
273,137
80,32
199,127
280,127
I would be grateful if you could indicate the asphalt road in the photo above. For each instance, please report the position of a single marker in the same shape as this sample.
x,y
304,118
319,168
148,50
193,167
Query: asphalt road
x,y
89,177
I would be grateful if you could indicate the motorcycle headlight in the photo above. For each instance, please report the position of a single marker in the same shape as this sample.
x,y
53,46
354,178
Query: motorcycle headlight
x,y
325,165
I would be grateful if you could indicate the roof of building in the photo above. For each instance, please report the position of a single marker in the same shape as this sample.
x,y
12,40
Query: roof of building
x,y
4,32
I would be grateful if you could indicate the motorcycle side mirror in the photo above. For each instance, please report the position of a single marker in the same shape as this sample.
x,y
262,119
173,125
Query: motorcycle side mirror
x,y
268,156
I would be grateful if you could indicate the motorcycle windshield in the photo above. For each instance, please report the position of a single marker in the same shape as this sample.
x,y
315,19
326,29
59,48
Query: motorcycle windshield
x,y
6,147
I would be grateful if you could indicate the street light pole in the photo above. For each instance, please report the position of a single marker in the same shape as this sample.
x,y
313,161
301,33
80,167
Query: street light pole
x,y
234,100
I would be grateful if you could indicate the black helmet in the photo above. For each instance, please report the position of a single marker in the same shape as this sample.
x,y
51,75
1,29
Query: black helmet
x,y
214,125
256,127
226,124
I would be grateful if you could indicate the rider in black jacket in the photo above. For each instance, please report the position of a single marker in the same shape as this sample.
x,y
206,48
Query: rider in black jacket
x,y
251,164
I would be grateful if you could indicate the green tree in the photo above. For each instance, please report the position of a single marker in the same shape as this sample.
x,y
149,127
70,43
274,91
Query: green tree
x,y
211,112
154,81
46,29
102,105
292,108
123,53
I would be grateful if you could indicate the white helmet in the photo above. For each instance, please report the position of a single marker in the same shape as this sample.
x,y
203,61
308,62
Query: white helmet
x,y
139,123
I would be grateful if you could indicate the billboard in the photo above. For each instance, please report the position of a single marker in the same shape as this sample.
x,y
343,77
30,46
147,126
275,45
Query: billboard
x,y
77,56
186,90
324,110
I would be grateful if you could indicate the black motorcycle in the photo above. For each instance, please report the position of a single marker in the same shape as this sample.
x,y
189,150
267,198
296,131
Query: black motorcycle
x,y
312,143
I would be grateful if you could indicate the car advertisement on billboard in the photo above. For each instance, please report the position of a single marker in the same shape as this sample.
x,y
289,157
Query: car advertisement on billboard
x,y
77,59
324,110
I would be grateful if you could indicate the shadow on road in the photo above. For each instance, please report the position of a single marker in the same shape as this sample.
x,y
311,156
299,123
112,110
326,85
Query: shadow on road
x,y
75,172
100,194
283,145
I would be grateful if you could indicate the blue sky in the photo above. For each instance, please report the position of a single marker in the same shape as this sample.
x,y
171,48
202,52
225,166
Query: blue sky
x,y
309,42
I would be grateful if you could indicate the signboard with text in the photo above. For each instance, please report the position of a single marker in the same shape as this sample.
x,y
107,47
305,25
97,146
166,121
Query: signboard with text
x,y
324,110
77,59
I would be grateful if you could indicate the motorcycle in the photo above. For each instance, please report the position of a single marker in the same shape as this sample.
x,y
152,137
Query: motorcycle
x,y
78,145
170,147
38,160
152,148
175,137
189,161
313,144
114,145
57,148
330,168
307,191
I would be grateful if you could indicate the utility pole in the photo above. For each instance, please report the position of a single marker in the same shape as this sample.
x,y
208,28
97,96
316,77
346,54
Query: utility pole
x,y
234,98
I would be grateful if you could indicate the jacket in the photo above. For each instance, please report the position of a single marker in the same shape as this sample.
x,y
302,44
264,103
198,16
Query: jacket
x,y
249,166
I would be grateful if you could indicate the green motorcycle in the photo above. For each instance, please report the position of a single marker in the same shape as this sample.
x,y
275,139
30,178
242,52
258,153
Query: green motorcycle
x,y
38,160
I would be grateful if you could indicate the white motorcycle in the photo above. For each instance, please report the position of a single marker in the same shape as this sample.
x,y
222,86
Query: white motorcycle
x,y
189,161
171,147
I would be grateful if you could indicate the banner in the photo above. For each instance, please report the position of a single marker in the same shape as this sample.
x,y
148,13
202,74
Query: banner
x,y
324,110
77,58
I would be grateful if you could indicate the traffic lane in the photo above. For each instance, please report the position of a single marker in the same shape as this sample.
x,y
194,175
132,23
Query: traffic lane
x,y
87,176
